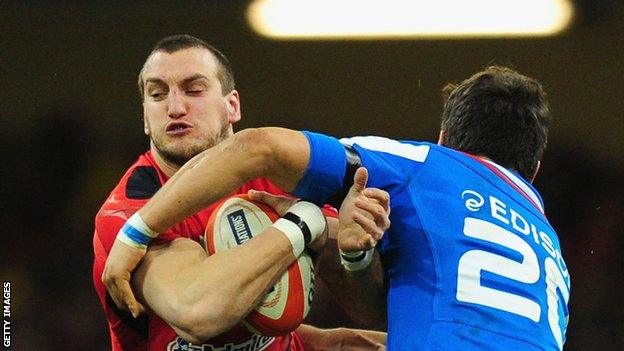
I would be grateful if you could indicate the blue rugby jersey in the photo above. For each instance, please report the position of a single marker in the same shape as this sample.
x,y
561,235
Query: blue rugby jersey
x,y
471,260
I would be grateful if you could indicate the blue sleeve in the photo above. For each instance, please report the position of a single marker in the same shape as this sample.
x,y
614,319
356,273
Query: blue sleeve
x,y
326,168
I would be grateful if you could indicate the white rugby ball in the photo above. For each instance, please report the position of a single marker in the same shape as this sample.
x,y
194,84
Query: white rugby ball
x,y
233,222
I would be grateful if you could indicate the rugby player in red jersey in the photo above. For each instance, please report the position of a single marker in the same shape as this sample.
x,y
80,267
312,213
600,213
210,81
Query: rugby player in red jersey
x,y
195,302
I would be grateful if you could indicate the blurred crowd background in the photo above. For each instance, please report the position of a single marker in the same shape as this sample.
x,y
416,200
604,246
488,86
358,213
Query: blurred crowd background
x,y
71,125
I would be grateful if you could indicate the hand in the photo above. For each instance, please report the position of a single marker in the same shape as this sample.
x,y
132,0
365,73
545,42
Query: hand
x,y
281,204
364,215
120,263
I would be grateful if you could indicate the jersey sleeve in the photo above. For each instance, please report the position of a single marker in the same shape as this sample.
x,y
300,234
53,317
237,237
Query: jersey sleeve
x,y
326,168
110,219
389,164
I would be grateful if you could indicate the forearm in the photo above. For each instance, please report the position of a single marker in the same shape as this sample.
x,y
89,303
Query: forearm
x,y
345,339
209,295
275,153
208,177
362,294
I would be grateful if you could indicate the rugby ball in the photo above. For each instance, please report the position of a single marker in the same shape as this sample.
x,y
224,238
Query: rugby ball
x,y
233,222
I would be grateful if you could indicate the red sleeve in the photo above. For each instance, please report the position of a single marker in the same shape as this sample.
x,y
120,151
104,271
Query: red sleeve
x,y
112,217
329,211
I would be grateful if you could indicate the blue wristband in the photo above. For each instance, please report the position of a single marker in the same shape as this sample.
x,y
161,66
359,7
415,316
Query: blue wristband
x,y
136,233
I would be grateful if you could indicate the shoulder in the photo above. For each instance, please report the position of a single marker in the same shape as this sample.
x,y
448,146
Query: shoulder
x,y
140,182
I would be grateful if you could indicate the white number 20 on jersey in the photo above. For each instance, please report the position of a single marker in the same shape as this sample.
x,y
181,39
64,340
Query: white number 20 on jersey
x,y
471,263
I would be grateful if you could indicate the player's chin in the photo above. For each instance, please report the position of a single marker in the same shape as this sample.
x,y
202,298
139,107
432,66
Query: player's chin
x,y
178,153
185,144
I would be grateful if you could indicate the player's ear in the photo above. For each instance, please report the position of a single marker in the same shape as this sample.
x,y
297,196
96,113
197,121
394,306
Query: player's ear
x,y
232,99
537,167
441,137
146,128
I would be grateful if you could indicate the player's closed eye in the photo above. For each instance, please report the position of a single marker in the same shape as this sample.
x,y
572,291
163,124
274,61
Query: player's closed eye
x,y
156,93
194,89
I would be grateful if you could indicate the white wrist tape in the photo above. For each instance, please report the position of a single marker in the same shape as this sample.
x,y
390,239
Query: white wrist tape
x,y
302,224
355,261
293,233
136,233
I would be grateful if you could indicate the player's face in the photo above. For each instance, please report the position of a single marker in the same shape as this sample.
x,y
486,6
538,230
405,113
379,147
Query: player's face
x,y
185,111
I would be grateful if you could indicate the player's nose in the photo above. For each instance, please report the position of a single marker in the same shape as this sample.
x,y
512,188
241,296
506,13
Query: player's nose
x,y
176,106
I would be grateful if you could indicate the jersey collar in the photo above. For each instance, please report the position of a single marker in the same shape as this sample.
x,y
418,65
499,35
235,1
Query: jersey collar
x,y
513,180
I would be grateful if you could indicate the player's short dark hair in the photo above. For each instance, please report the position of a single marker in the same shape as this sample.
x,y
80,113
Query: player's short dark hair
x,y
176,43
498,113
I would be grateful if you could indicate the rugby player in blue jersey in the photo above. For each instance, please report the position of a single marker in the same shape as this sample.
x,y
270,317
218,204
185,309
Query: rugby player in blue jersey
x,y
470,261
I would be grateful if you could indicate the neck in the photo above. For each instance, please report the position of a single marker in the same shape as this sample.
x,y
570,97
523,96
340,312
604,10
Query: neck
x,y
169,168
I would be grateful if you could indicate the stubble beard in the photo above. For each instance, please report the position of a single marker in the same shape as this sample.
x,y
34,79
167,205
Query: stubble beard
x,y
179,155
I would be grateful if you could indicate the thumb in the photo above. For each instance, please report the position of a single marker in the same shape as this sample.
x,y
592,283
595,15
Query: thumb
x,y
266,198
260,196
359,179
136,308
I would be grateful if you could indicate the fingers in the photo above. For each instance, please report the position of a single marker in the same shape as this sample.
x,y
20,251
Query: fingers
x,y
267,199
366,243
376,211
380,195
279,203
368,224
122,260
359,179
357,243
255,195
263,196
121,293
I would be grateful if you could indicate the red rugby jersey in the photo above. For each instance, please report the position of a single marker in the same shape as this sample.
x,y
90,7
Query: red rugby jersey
x,y
149,332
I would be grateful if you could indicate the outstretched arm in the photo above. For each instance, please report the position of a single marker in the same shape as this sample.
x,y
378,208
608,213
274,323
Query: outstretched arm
x,y
359,287
276,153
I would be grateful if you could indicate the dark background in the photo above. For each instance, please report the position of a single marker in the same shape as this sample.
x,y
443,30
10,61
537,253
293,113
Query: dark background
x,y
71,125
